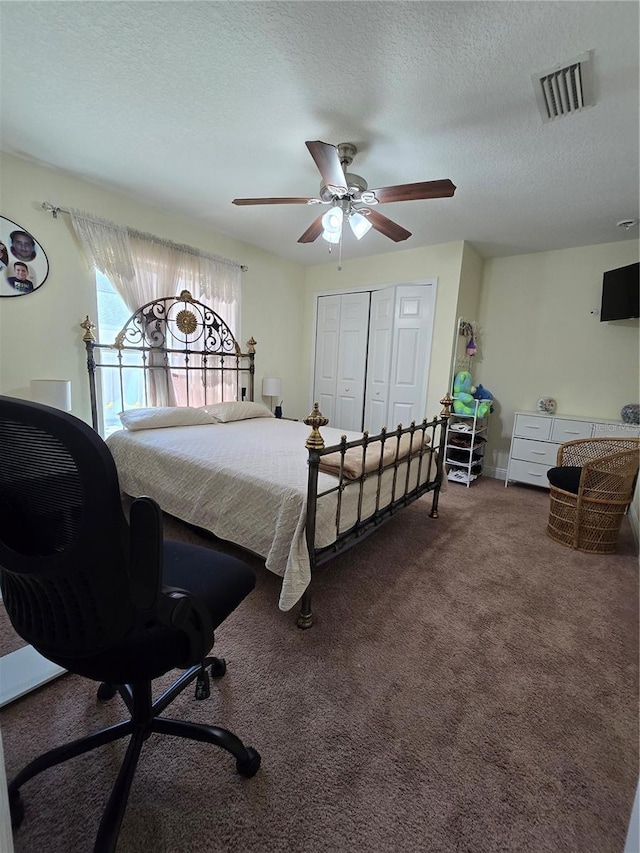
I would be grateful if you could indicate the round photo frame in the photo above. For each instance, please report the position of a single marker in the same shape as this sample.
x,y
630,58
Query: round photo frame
x,y
24,265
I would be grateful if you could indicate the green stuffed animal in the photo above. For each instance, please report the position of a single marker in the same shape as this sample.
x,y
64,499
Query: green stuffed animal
x,y
464,403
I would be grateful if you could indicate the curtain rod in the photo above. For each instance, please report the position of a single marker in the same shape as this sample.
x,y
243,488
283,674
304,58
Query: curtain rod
x,y
54,210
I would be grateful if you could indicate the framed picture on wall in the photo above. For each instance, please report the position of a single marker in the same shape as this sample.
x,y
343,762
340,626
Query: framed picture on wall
x,y
24,266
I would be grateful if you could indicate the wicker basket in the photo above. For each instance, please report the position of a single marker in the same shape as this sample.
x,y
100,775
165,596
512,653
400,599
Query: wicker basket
x,y
590,520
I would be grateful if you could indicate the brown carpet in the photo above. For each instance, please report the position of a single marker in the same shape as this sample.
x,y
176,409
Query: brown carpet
x,y
469,685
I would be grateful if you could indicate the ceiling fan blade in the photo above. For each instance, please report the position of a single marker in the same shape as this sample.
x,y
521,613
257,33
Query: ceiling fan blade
x,y
327,160
412,192
385,226
313,231
275,200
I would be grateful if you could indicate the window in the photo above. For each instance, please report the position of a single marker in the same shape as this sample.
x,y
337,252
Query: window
x,y
113,314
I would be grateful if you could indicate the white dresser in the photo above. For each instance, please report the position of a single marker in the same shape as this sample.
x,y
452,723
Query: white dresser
x,y
536,438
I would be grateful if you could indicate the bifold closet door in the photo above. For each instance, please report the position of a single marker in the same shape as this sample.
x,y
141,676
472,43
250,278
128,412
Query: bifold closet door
x,y
398,360
341,358
381,321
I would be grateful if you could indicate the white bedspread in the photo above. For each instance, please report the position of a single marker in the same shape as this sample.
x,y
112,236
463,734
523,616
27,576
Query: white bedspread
x,y
246,482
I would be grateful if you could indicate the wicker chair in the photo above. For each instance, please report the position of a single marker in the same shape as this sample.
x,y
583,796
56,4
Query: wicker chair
x,y
590,491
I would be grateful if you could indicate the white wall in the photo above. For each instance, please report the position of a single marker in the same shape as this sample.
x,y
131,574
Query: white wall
x,y
39,333
442,262
540,339
468,308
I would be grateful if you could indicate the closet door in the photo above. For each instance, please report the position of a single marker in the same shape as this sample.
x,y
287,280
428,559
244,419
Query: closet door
x,y
381,323
326,363
341,358
410,354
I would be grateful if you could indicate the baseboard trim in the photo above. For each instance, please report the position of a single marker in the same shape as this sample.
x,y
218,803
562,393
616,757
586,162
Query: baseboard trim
x,y
633,521
495,473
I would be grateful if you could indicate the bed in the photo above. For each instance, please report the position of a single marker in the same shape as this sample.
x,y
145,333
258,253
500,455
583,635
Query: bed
x,y
295,493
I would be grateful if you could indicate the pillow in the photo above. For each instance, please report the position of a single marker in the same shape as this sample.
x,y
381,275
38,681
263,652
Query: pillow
x,y
164,416
234,411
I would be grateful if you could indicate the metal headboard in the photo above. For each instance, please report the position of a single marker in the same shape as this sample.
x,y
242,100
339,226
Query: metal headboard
x,y
186,352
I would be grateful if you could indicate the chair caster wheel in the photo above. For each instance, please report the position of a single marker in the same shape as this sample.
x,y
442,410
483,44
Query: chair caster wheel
x,y
16,808
250,765
107,691
218,668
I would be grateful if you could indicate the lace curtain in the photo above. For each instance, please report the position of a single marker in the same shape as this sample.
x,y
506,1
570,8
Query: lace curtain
x,y
142,268
107,248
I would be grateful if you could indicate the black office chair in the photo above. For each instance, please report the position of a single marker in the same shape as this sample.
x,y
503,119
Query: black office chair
x,y
106,598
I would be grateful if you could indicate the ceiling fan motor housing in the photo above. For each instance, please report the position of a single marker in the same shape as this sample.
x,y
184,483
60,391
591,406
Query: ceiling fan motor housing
x,y
356,184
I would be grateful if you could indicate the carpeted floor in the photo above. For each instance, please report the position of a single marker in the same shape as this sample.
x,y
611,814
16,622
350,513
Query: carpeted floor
x,y
469,686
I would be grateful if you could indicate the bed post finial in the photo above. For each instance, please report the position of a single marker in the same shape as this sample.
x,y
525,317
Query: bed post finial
x,y
88,327
446,403
251,343
315,419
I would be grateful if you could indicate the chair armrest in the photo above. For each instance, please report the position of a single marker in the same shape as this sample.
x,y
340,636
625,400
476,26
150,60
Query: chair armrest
x,y
182,611
170,607
145,524
611,477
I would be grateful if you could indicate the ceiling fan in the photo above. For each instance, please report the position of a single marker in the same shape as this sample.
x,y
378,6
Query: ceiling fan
x,y
351,199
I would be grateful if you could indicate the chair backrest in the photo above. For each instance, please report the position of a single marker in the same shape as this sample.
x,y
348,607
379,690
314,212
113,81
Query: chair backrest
x,y
584,450
64,539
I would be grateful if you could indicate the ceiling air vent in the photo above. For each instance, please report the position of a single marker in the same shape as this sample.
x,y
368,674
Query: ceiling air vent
x,y
565,89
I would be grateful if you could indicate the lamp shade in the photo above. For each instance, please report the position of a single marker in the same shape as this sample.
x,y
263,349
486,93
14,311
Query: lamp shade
x,y
332,220
359,225
52,392
271,387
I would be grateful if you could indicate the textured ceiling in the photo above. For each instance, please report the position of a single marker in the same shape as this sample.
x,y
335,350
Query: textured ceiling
x,y
187,105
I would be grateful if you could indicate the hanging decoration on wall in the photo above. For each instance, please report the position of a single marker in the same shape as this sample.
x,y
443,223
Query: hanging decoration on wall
x,y
24,266
466,329
471,347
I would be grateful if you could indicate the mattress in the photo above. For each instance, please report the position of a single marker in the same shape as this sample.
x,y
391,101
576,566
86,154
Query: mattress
x,y
246,482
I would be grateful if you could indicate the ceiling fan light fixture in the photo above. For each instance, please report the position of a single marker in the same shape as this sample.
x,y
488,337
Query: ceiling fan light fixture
x,y
331,236
332,220
360,225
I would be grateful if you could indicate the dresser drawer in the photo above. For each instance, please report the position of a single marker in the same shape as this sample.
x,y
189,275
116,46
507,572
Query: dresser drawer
x,y
529,472
566,430
535,451
615,431
531,426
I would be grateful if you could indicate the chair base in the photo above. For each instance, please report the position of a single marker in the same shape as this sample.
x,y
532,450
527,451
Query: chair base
x,y
145,720
598,527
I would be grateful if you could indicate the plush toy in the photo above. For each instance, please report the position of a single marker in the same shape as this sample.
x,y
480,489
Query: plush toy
x,y
482,394
464,399
463,388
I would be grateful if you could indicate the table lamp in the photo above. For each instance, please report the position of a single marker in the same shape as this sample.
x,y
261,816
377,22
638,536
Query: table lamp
x,y
272,388
52,392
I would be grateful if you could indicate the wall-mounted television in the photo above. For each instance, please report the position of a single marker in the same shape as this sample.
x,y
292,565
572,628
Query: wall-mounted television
x,y
621,293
